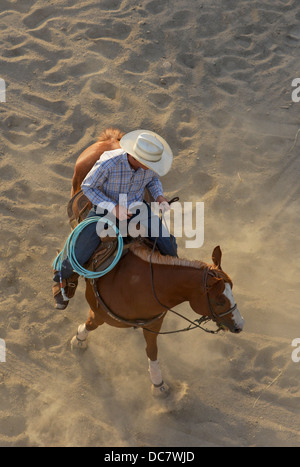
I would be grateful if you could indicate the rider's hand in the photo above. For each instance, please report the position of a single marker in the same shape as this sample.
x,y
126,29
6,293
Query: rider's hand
x,y
163,203
121,212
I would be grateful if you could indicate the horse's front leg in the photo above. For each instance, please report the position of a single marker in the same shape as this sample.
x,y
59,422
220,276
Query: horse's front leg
x,y
80,340
159,387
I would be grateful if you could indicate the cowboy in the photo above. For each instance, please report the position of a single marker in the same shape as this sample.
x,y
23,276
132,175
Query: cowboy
x,y
123,173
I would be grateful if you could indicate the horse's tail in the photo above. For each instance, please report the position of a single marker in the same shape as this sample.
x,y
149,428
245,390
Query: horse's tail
x,y
111,133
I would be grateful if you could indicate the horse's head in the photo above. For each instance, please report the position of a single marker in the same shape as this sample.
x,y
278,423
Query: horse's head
x,y
214,299
218,289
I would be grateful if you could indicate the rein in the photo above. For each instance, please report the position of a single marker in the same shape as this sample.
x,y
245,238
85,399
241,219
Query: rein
x,y
135,323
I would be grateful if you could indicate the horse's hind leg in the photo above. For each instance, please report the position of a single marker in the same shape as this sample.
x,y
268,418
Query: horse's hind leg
x,y
80,340
159,387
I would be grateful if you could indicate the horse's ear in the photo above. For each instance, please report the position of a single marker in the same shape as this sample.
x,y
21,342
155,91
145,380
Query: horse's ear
x,y
216,257
216,286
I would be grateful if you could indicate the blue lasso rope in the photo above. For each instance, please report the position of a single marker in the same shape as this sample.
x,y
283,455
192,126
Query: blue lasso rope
x,y
69,250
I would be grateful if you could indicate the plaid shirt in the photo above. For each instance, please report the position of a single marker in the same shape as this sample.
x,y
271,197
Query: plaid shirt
x,y
113,176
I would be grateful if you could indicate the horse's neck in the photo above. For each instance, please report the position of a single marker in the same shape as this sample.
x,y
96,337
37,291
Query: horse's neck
x,y
176,284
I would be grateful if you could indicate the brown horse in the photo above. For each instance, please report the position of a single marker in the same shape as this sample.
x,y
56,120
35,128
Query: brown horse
x,y
144,285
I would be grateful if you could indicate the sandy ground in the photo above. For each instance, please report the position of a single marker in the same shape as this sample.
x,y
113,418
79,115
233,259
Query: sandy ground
x,y
214,78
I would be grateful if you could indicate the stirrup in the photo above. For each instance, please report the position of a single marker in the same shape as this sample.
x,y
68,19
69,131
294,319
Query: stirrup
x,y
60,302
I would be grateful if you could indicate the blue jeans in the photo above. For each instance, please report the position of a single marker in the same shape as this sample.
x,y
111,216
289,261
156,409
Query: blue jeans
x,y
89,240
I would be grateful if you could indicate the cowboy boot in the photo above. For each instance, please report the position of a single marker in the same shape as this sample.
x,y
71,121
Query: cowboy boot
x,y
69,285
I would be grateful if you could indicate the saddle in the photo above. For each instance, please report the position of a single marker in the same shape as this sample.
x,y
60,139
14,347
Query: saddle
x,y
78,208
105,254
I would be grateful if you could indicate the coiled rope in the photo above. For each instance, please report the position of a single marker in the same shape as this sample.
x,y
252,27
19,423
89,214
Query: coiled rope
x,y
69,250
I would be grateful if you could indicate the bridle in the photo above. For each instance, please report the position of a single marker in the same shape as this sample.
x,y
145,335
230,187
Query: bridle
x,y
198,322
214,316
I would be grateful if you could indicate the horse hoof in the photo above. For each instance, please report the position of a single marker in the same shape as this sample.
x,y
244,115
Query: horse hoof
x,y
78,344
161,391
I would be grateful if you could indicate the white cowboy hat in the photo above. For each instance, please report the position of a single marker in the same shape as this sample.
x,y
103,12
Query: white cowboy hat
x,y
149,149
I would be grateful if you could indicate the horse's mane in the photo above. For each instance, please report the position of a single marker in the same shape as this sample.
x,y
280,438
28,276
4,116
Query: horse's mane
x,y
144,252
111,133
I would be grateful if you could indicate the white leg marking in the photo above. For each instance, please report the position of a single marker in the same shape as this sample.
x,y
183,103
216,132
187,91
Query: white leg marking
x,y
82,332
80,340
155,373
